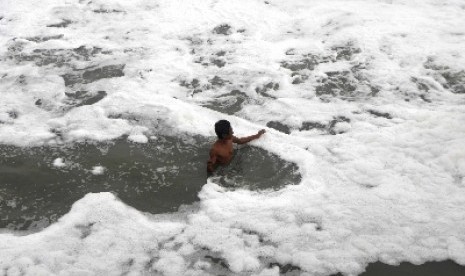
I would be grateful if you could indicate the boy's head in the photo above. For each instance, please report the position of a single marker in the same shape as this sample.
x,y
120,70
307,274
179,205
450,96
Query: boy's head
x,y
223,129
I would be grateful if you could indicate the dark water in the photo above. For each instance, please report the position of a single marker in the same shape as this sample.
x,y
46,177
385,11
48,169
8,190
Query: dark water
x,y
446,268
156,177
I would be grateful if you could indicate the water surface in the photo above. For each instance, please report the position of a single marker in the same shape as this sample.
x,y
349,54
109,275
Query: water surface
x,y
155,177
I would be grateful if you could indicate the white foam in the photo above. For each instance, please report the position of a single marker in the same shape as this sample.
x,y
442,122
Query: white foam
x,y
381,189
98,170
138,138
59,163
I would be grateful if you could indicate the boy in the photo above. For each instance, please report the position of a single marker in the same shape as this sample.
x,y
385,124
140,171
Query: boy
x,y
222,150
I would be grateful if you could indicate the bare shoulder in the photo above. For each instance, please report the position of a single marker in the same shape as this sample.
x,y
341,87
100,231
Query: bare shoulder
x,y
214,149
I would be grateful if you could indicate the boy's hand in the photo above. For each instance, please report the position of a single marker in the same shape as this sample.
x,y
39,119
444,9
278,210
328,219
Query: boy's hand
x,y
260,133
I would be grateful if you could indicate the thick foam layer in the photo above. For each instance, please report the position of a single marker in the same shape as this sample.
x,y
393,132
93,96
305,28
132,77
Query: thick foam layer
x,y
366,97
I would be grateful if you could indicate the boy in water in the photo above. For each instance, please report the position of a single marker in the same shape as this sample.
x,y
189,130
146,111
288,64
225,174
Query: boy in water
x,y
222,150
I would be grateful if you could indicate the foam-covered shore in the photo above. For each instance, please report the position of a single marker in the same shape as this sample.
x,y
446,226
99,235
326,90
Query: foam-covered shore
x,y
366,97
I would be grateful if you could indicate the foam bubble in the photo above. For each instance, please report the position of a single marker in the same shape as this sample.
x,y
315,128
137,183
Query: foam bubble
x,y
138,138
59,163
98,170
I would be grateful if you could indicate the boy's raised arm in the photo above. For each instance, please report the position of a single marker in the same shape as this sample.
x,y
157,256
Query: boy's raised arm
x,y
247,139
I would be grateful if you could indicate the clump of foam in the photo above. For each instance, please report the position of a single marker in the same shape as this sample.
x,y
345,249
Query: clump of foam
x,y
98,170
138,138
59,163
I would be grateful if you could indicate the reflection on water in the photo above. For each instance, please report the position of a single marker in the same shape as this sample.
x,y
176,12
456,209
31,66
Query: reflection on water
x,y
155,177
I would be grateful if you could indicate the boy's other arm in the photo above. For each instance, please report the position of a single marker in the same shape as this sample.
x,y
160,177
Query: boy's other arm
x,y
247,139
211,162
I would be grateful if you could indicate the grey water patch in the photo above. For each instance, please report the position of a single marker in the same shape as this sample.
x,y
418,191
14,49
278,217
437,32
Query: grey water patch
x,y
21,80
223,29
229,103
337,84
217,81
424,88
298,78
103,10
307,62
131,117
265,89
83,97
425,98
213,48
448,267
45,38
352,84
217,260
309,125
85,230
155,177
91,75
332,125
254,168
421,85
13,114
286,269
208,49
194,40
109,71
63,24
196,85
88,52
346,52
56,57
217,62
452,80
300,65
324,127
348,85
379,114
220,53
327,128
279,126
204,258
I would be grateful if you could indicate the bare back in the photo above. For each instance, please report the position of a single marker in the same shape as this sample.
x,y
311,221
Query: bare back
x,y
223,150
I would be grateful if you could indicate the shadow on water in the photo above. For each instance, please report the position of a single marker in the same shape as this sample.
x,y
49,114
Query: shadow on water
x,y
155,177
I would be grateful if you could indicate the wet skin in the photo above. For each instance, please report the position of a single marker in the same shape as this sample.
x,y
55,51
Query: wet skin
x,y
222,150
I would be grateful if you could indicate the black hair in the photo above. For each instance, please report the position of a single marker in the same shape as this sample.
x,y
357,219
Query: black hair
x,y
222,128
